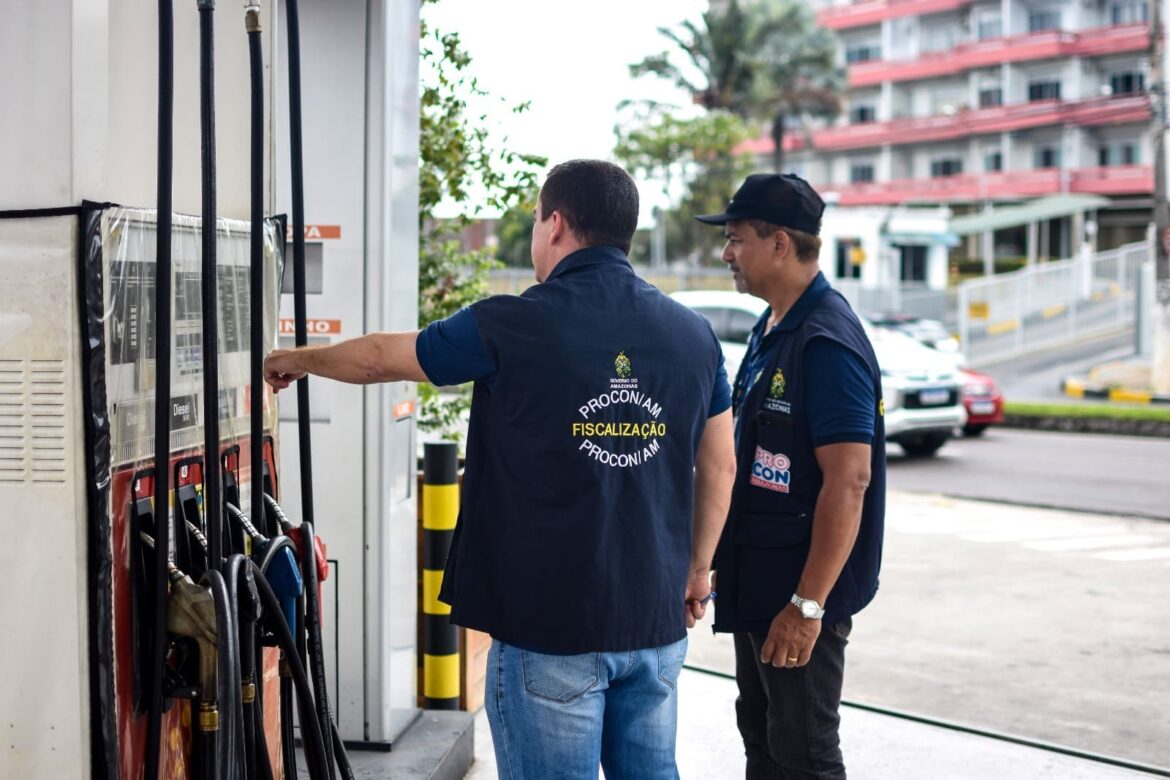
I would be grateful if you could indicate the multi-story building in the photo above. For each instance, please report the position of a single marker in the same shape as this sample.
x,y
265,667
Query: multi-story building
x,y
978,105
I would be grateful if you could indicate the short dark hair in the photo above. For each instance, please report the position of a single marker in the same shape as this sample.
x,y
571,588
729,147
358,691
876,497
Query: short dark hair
x,y
597,199
808,246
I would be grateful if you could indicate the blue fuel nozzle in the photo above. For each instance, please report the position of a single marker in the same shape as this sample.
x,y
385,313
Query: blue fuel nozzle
x,y
284,575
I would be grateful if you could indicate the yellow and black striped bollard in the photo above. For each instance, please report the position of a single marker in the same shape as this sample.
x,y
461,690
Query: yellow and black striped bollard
x,y
440,501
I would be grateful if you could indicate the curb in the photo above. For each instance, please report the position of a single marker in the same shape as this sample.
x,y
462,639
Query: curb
x,y
1077,388
1151,428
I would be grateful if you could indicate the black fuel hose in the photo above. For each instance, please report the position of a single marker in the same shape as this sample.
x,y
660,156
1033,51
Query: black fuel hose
x,y
278,514
256,272
162,388
310,728
245,605
300,306
227,671
287,737
274,547
316,646
212,490
241,519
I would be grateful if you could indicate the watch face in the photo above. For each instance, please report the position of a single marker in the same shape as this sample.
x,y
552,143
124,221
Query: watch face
x,y
809,608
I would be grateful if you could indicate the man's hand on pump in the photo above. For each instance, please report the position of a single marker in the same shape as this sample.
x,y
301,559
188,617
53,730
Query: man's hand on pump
x,y
282,368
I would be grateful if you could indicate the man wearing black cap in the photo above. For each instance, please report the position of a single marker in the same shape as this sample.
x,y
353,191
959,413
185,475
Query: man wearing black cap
x,y
800,552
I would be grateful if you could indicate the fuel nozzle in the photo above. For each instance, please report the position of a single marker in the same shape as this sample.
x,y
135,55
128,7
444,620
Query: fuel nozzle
x,y
191,613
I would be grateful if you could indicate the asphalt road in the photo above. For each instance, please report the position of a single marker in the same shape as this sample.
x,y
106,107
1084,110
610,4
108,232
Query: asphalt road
x,y
1038,376
1107,474
1040,623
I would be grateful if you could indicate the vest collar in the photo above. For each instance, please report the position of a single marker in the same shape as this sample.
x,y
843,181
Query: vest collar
x,y
590,255
807,301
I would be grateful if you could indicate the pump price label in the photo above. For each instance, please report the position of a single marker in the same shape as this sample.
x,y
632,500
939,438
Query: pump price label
x,y
288,327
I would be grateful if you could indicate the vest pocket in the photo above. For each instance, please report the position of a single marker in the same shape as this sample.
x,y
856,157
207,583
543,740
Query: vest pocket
x,y
771,552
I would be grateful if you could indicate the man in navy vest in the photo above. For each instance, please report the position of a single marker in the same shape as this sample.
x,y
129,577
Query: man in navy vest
x,y
800,552
598,478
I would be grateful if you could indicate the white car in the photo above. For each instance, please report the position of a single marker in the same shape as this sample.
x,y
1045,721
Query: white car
x,y
921,387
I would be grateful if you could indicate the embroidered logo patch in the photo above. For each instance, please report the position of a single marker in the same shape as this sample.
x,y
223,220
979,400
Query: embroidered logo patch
x,y
771,471
622,365
777,388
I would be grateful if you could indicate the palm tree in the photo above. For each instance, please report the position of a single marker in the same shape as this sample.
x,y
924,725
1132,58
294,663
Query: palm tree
x,y
761,60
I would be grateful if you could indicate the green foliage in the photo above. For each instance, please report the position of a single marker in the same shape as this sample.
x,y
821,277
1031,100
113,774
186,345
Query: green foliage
x,y
696,156
1104,411
762,61
458,159
514,232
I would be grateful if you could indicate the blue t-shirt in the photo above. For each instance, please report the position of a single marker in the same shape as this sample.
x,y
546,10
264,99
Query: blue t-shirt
x,y
841,406
451,352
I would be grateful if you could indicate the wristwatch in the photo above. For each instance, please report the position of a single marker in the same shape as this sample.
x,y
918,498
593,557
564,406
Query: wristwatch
x,y
809,609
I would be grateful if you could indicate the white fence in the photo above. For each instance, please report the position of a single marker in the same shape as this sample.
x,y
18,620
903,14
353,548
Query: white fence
x,y
1050,304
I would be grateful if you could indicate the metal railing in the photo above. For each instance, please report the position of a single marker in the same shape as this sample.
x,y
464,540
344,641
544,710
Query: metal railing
x,y
1049,305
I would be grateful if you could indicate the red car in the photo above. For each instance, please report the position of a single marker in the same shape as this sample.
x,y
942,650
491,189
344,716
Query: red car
x,y
982,400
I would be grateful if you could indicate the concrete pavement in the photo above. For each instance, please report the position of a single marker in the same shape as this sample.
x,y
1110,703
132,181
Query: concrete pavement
x,y
876,747
1043,623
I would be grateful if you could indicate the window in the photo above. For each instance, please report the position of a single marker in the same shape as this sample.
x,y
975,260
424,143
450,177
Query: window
x,y
849,255
1118,153
1047,19
861,173
1129,12
913,263
949,166
1046,157
989,27
993,162
990,98
860,115
1044,90
1126,83
863,53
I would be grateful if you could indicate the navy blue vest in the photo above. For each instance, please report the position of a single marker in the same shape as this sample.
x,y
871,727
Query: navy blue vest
x,y
574,531
765,542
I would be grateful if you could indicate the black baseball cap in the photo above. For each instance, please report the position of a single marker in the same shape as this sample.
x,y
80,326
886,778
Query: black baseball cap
x,y
782,199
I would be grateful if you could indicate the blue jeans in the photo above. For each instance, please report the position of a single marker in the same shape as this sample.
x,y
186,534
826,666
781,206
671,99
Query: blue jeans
x,y
560,716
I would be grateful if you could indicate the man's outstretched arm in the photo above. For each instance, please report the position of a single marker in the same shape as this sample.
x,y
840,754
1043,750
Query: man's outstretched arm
x,y
374,357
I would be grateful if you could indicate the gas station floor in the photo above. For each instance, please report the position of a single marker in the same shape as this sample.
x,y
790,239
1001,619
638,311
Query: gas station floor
x,y
876,746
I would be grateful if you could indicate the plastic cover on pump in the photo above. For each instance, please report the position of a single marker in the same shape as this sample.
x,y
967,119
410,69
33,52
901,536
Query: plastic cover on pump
x,y
118,272
128,248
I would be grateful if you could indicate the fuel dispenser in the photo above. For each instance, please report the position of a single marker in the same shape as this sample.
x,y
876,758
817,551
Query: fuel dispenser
x,y
185,620
192,631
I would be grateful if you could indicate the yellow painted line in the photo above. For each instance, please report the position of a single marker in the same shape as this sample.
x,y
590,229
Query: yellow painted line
x,y
999,328
432,582
1074,389
1054,311
1133,396
440,507
441,676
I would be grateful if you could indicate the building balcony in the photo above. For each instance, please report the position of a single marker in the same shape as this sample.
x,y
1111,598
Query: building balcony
x,y
1109,180
1092,112
1051,44
867,12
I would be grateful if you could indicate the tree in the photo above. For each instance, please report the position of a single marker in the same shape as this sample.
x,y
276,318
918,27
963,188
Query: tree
x,y
514,233
457,157
759,60
696,154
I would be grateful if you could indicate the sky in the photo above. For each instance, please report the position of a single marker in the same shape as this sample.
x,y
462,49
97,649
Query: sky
x,y
571,60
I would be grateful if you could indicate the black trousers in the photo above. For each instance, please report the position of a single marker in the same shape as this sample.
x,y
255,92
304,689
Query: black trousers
x,y
789,718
